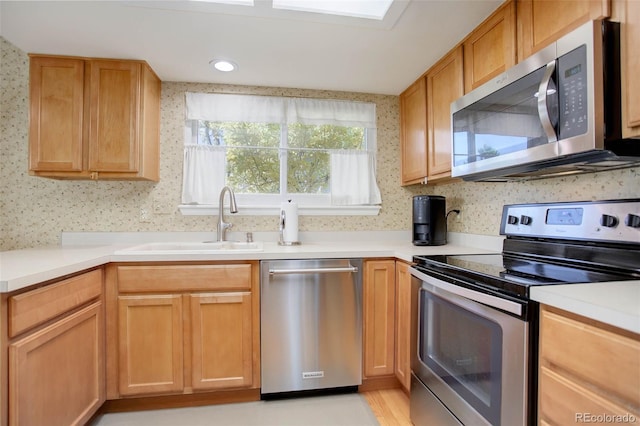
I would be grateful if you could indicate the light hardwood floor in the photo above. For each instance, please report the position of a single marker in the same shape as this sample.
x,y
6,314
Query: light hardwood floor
x,y
391,406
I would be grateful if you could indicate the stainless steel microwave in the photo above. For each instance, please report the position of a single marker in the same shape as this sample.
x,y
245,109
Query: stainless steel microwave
x,y
557,112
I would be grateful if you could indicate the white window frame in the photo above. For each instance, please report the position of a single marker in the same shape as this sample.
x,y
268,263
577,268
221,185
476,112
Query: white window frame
x,y
269,204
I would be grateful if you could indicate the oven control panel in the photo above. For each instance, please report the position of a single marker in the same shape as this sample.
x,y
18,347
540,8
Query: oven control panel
x,y
616,221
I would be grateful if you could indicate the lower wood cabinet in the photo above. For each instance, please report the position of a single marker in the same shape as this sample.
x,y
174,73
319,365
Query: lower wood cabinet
x,y
188,328
588,370
56,375
403,325
379,297
221,339
150,340
53,353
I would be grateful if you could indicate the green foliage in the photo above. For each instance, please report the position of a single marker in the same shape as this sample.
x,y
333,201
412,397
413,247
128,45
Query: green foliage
x,y
253,154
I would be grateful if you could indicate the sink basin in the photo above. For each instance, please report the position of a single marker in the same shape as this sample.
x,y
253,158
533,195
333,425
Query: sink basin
x,y
207,247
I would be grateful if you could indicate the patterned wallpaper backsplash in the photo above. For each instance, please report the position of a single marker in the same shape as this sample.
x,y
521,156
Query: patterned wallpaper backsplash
x,y
34,211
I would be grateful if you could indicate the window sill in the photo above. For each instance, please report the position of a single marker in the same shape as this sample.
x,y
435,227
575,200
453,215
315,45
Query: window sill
x,y
209,210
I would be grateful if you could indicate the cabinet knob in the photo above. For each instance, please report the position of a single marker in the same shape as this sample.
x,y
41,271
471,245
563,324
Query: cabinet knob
x,y
94,175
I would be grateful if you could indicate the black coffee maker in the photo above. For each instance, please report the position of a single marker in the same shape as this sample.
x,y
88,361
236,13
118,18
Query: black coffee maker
x,y
429,220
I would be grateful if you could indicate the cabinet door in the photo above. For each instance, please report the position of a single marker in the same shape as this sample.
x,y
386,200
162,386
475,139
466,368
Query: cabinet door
x,y
541,22
150,344
413,128
403,324
630,29
491,48
379,317
56,114
114,116
221,336
444,85
56,375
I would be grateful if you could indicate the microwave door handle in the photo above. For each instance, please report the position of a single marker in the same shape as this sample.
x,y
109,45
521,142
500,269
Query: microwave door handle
x,y
543,111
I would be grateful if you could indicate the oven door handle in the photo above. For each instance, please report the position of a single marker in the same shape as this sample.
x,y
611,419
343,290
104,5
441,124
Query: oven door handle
x,y
476,296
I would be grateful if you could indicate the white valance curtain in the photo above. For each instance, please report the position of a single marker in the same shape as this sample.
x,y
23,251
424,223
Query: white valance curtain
x,y
270,109
353,179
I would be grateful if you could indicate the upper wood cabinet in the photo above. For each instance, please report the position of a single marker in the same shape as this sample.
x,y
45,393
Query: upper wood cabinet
x,y
425,121
541,22
425,106
93,119
413,132
627,12
445,84
491,48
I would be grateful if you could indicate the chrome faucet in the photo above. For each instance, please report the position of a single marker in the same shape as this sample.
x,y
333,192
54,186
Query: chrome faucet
x,y
233,208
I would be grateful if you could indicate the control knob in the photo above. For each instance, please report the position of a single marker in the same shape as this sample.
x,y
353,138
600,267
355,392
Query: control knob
x,y
632,220
608,221
525,220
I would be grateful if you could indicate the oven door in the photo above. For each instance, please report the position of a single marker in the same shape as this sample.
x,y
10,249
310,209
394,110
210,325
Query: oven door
x,y
468,354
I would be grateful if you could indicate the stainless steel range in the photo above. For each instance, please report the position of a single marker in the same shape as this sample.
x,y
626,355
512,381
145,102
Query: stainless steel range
x,y
474,351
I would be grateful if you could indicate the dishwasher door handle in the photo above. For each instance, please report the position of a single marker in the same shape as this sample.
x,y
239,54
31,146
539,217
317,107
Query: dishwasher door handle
x,y
351,269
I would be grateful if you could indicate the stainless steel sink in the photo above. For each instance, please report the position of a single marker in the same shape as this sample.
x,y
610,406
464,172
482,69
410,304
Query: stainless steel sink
x,y
212,247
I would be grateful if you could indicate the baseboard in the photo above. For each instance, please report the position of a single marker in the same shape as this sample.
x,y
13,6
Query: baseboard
x,y
377,383
179,401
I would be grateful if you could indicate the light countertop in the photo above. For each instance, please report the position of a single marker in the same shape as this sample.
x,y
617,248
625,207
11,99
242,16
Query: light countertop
x,y
22,268
616,303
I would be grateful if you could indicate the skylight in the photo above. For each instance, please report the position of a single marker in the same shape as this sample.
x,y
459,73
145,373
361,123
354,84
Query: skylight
x,y
370,9
237,2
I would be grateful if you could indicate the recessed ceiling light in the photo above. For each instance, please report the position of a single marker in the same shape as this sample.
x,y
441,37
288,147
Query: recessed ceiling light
x,y
223,65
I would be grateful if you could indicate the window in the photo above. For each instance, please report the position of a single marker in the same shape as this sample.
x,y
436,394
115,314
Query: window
x,y
270,149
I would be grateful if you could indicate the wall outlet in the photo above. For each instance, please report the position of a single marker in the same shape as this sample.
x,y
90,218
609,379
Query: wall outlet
x,y
145,215
458,218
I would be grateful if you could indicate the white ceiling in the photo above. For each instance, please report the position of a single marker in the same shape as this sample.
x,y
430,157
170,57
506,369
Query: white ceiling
x,y
272,48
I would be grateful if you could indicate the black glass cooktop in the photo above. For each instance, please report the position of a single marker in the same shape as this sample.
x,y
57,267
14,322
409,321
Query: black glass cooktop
x,y
512,275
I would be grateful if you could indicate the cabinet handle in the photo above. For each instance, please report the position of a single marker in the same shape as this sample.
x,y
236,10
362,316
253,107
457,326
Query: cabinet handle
x,y
94,175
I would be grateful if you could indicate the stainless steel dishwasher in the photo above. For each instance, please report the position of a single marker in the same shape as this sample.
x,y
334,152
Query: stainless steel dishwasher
x,y
311,325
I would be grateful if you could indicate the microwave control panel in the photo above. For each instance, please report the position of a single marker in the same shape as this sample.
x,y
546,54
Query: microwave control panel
x,y
572,99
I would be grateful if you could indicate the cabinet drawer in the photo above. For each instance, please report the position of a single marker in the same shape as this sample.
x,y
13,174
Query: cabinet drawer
x,y
564,402
180,278
594,355
56,375
33,308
